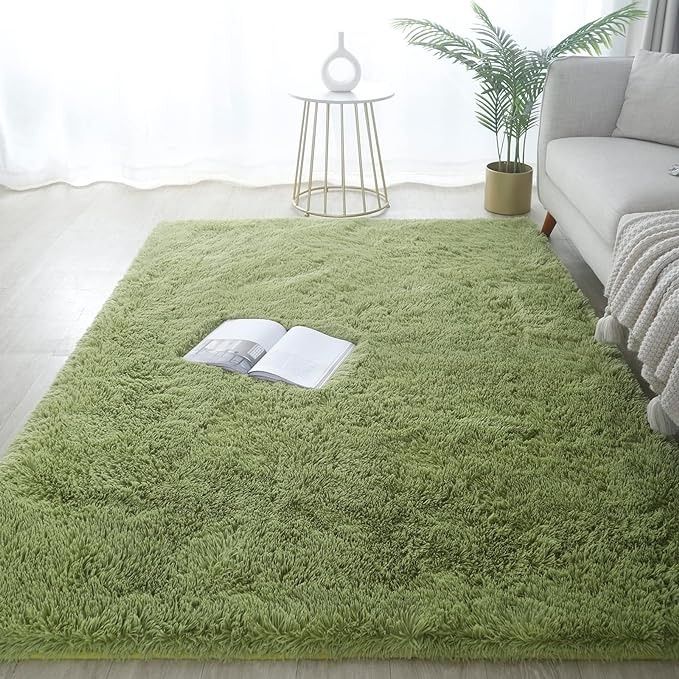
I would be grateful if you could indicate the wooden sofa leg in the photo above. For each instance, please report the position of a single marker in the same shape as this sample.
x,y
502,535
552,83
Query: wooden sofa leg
x,y
549,224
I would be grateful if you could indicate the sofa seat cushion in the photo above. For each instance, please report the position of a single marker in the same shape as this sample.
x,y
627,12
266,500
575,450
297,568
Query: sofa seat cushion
x,y
608,177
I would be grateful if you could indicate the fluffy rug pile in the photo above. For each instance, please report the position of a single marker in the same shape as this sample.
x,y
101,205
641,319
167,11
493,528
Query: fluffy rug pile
x,y
478,480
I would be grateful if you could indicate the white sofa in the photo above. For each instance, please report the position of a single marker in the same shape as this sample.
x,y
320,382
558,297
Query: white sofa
x,y
587,179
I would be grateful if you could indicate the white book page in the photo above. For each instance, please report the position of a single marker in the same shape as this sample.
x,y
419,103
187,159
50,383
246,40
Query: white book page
x,y
238,344
304,357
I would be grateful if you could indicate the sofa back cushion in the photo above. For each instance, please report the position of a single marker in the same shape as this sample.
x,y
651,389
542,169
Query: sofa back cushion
x,y
651,107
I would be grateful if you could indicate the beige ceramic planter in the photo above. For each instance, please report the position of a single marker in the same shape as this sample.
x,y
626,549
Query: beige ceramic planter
x,y
508,193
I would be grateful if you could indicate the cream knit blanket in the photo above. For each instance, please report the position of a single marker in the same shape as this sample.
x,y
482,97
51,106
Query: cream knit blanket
x,y
643,296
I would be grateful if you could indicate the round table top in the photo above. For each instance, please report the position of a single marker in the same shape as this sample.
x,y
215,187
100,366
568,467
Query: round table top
x,y
363,93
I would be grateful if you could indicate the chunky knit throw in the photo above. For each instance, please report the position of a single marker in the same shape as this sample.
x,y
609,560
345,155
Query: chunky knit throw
x,y
643,297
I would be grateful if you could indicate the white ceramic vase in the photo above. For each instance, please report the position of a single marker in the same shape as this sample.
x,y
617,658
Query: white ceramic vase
x,y
348,84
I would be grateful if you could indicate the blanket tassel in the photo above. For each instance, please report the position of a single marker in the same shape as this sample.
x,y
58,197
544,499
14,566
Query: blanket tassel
x,y
609,330
659,420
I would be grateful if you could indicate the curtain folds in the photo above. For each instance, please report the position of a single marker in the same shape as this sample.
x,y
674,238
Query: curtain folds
x,y
662,26
174,92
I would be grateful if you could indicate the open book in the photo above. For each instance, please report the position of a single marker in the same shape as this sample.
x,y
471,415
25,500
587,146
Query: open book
x,y
265,349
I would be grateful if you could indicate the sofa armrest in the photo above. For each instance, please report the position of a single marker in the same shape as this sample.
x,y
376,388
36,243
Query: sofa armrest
x,y
582,98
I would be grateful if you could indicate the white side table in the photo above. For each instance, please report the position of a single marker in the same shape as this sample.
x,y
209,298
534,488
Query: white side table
x,y
311,195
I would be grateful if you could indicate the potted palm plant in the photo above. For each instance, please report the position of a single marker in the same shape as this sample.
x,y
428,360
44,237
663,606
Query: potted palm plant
x,y
511,80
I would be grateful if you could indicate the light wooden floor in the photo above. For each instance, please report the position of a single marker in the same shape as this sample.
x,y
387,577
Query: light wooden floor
x,y
62,250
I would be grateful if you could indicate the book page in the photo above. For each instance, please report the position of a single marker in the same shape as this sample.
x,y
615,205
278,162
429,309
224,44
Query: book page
x,y
304,357
237,345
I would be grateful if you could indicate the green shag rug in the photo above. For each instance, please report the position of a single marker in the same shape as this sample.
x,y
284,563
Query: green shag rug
x,y
478,480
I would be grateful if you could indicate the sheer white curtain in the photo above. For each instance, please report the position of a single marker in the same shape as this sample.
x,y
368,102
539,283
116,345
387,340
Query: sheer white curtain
x,y
150,93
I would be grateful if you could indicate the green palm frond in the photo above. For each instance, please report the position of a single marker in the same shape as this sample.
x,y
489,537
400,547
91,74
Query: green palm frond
x,y
597,34
492,36
444,43
492,108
